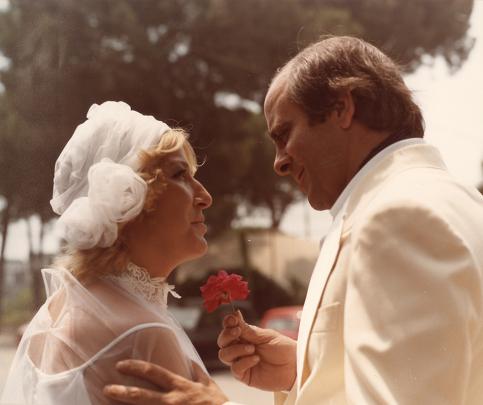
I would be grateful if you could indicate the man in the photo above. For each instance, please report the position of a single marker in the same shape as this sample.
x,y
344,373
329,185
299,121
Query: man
x,y
394,310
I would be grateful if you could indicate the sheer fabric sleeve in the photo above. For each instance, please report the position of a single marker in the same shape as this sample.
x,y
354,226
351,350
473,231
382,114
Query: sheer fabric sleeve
x,y
155,343
161,346
70,349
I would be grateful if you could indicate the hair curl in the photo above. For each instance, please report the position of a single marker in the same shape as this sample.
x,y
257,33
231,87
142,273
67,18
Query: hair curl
x,y
90,263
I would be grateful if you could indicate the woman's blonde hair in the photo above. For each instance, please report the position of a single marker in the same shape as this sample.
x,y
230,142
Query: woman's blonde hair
x,y
89,263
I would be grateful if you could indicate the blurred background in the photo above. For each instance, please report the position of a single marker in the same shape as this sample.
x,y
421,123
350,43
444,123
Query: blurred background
x,y
205,66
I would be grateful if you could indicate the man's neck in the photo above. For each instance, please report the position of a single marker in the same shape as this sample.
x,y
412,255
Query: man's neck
x,y
389,140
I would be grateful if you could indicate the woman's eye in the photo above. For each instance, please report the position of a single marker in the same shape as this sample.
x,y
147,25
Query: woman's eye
x,y
180,173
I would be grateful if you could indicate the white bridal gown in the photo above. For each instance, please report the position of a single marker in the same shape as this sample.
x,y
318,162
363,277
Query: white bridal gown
x,y
70,348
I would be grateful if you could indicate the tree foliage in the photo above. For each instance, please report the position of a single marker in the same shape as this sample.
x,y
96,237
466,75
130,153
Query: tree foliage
x,y
412,31
184,61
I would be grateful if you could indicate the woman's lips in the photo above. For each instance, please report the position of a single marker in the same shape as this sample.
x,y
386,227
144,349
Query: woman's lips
x,y
200,226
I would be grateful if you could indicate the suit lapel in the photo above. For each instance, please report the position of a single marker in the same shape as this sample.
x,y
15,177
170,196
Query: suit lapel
x,y
317,283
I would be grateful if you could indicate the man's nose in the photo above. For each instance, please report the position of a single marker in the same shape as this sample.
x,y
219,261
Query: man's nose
x,y
282,163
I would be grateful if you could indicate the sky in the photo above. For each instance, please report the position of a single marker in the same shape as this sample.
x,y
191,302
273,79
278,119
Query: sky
x,y
453,111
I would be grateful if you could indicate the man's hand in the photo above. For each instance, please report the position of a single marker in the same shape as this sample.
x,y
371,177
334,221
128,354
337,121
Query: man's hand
x,y
174,389
261,358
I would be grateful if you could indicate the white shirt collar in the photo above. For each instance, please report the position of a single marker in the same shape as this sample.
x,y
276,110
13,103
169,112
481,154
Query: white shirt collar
x,y
339,206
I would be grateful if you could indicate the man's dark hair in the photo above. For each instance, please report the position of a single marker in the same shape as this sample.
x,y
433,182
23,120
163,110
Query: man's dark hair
x,y
320,73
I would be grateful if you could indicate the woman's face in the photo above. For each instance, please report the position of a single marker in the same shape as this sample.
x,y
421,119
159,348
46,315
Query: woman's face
x,y
174,231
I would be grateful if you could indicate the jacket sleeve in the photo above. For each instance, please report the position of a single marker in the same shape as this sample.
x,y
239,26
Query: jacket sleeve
x,y
413,308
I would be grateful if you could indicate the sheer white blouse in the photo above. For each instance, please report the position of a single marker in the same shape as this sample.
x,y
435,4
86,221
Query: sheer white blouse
x,y
69,350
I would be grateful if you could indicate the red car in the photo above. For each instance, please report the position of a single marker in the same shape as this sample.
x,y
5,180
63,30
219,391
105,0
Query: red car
x,y
285,320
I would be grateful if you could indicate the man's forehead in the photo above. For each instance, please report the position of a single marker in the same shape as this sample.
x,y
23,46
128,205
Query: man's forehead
x,y
275,104
277,88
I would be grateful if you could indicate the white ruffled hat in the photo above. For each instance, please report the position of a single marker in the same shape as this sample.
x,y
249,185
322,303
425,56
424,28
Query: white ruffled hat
x,y
95,180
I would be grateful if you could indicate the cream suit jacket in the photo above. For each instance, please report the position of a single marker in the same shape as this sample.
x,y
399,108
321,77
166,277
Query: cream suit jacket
x,y
394,311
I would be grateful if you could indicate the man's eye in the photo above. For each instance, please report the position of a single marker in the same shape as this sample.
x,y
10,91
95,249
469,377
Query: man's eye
x,y
281,137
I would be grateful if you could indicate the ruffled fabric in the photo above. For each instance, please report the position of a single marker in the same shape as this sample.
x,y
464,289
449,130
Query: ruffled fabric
x,y
109,109
137,281
97,199
116,194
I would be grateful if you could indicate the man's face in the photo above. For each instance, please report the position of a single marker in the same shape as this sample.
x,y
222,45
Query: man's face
x,y
315,155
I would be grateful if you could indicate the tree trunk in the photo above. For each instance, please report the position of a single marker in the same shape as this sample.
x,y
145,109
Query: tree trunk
x,y
272,246
245,255
38,287
4,230
277,210
244,249
275,218
34,265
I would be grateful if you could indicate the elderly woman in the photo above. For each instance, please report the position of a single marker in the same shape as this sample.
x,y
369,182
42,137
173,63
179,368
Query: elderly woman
x,y
131,211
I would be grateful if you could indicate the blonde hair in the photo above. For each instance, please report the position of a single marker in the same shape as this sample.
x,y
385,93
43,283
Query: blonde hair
x,y
87,264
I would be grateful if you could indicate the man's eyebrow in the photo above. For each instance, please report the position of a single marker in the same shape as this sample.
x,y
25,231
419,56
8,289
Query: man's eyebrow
x,y
278,130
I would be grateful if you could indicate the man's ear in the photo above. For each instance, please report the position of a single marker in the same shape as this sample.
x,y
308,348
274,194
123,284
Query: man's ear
x,y
344,110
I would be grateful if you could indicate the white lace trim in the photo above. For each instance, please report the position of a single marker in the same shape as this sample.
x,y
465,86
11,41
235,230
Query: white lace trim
x,y
139,282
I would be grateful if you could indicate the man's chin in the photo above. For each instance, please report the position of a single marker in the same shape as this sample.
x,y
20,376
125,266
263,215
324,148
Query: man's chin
x,y
317,204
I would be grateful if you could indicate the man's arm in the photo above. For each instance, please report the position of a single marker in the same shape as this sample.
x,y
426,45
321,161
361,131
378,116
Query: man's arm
x,y
412,306
259,357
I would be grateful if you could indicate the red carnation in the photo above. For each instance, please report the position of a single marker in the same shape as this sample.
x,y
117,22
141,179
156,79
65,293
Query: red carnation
x,y
223,289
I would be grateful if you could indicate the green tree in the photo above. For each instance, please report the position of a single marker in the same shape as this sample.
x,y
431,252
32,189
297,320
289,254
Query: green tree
x,y
413,31
180,59
21,188
204,65
11,178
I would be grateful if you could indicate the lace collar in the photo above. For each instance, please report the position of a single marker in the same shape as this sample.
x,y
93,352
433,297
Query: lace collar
x,y
137,281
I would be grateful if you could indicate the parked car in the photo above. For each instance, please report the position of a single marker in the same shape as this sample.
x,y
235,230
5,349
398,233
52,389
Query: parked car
x,y
286,320
203,328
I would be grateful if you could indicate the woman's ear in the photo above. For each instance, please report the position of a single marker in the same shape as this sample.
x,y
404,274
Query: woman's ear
x,y
344,110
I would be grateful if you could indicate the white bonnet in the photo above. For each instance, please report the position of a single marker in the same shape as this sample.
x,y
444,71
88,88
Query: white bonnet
x,y
95,180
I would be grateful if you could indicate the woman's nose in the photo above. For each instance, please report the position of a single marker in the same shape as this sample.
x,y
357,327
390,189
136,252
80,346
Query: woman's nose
x,y
203,198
